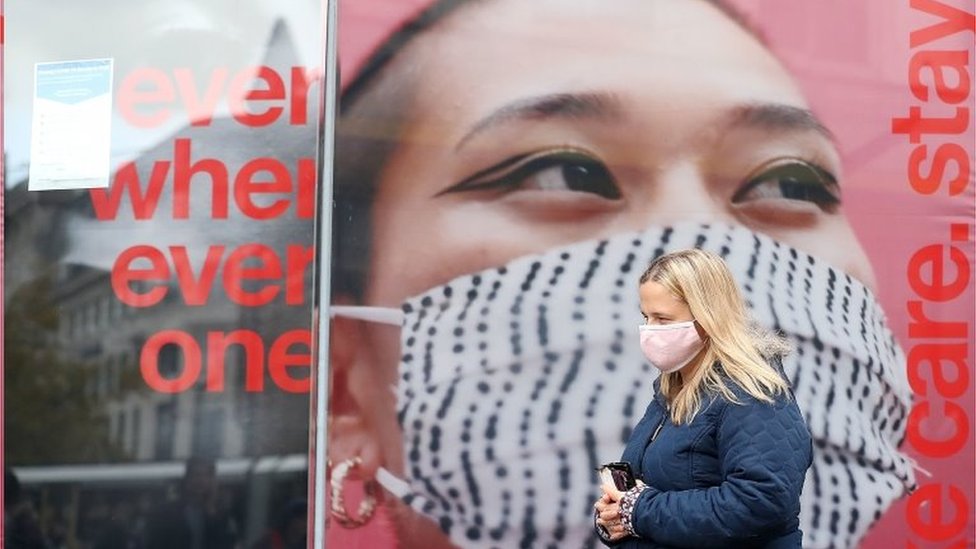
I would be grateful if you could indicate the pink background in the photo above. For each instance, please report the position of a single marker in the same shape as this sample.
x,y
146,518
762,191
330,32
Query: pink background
x,y
851,58
857,80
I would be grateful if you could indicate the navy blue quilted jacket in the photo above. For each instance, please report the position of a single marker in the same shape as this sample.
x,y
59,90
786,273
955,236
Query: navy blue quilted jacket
x,y
730,478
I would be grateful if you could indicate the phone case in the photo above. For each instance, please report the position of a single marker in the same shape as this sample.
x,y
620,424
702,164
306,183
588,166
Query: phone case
x,y
619,474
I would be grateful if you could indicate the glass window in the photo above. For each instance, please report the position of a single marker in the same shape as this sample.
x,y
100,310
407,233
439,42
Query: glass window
x,y
140,298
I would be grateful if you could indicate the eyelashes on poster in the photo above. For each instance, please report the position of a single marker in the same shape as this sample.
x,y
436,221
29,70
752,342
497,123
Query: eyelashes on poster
x,y
517,382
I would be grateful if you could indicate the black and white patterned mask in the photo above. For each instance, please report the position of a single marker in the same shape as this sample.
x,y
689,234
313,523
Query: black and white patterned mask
x,y
515,383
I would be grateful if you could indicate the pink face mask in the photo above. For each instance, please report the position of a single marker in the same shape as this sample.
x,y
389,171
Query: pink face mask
x,y
669,347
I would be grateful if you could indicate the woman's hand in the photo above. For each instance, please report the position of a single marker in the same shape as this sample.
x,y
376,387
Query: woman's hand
x,y
608,512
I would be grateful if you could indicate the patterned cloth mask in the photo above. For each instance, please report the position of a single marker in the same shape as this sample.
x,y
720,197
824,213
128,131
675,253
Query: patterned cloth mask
x,y
517,382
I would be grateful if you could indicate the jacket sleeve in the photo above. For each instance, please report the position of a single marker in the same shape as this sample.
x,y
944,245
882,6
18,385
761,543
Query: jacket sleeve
x,y
764,450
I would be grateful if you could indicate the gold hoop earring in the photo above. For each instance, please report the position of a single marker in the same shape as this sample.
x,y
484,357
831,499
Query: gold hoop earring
x,y
338,505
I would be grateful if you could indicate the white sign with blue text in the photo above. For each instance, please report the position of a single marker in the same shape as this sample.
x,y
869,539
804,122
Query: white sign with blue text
x,y
71,125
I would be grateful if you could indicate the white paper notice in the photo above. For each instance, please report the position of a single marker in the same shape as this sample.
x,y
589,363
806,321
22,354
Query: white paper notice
x,y
71,135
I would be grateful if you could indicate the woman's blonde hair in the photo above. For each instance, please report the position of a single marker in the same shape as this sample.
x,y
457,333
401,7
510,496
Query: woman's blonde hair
x,y
736,348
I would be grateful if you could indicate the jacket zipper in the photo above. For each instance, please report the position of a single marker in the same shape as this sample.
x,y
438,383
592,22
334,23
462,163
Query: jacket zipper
x,y
657,429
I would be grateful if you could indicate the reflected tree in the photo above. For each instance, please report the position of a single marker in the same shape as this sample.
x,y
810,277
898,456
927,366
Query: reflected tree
x,y
50,416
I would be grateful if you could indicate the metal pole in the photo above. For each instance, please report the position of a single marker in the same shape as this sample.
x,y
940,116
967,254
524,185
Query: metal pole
x,y
323,245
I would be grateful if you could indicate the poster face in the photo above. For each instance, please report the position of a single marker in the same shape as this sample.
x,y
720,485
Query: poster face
x,y
505,171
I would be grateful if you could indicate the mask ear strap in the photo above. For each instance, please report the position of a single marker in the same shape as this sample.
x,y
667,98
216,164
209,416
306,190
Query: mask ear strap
x,y
395,485
380,315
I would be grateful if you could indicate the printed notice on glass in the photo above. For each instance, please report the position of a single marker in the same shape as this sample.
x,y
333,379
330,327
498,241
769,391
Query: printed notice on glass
x,y
71,126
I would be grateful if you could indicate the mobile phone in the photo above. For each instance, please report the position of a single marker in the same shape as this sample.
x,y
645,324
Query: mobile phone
x,y
619,474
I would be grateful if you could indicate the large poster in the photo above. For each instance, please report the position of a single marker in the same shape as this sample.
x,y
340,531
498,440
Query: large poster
x,y
504,171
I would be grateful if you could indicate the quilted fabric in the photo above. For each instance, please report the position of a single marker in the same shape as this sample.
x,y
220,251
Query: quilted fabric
x,y
730,478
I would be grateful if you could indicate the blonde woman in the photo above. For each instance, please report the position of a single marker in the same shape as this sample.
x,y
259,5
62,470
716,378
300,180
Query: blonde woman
x,y
721,452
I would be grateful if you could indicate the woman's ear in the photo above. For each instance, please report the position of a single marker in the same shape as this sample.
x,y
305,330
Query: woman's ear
x,y
352,433
701,331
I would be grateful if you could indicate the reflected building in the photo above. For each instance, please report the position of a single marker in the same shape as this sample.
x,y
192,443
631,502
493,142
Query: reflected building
x,y
105,336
